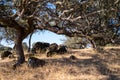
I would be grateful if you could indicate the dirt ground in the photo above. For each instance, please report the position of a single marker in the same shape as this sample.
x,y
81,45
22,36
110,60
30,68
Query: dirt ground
x,y
88,65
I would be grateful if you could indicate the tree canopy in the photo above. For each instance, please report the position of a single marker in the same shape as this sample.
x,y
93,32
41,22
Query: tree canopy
x,y
91,19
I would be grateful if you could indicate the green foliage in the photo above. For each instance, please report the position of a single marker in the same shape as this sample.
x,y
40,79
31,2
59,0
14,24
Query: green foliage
x,y
76,42
80,18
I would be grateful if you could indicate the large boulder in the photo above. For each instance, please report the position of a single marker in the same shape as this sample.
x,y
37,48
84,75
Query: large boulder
x,y
62,49
34,62
40,46
51,49
5,54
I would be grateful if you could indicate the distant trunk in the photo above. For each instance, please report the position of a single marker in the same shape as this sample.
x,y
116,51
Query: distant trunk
x,y
30,42
92,42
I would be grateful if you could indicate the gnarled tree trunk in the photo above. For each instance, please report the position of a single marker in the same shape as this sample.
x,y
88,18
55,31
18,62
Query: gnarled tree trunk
x,y
19,48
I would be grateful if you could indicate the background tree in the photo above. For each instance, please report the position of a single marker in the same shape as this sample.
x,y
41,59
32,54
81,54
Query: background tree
x,y
77,43
83,18
24,45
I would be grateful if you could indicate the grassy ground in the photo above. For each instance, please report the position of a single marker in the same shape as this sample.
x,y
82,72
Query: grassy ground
x,y
89,65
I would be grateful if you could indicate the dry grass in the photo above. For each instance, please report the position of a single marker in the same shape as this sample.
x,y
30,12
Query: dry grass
x,y
89,65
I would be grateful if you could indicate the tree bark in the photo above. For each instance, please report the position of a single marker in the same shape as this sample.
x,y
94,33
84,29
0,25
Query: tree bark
x,y
19,48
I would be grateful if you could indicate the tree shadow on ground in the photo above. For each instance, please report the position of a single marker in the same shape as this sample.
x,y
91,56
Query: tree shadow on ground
x,y
99,61
104,70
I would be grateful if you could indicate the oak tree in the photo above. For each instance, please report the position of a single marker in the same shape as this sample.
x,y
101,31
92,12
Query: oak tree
x,y
82,18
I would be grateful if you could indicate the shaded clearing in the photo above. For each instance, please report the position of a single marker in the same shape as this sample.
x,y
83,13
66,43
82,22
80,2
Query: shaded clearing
x,y
88,65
